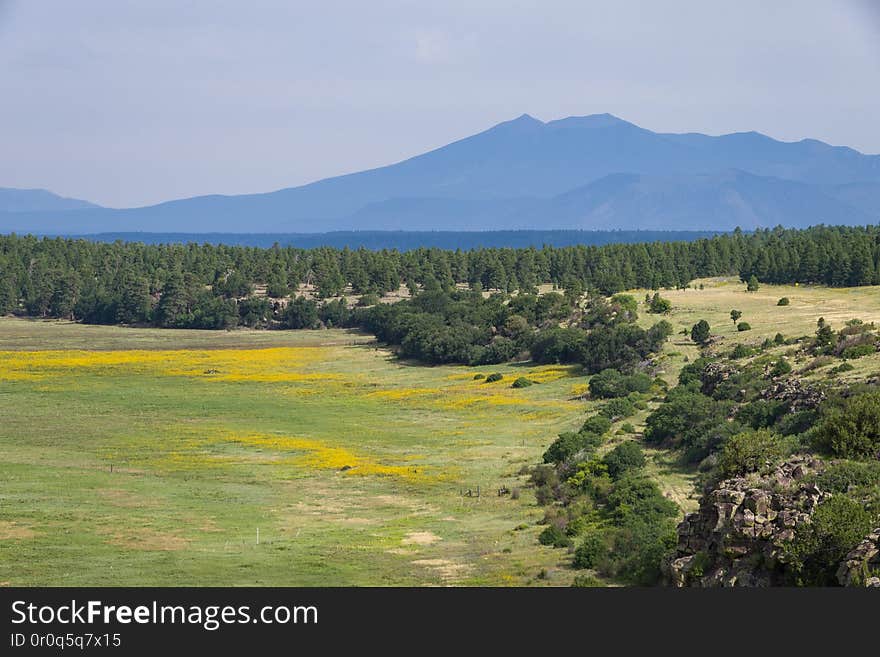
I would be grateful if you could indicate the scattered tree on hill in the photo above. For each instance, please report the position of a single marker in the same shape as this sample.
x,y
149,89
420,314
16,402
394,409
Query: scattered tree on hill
x,y
700,332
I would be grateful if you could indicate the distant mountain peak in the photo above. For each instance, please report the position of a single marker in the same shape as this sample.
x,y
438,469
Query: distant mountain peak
x,y
594,171
523,121
604,120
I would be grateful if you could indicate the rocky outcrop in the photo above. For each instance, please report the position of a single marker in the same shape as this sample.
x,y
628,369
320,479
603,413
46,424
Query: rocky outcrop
x,y
736,536
793,392
861,567
714,374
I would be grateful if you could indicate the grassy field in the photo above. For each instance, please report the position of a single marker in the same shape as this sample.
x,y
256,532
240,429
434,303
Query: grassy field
x,y
143,456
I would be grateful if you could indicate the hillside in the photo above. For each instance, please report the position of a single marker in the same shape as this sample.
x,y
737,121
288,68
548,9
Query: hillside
x,y
38,200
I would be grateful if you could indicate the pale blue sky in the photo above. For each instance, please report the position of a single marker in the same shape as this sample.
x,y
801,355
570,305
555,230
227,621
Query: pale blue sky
x,y
128,103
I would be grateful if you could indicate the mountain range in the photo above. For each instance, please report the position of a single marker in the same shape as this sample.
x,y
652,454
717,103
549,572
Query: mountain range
x,y
594,172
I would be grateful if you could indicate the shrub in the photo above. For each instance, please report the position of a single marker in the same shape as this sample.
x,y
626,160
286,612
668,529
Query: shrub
x,y
819,546
495,376
779,339
851,430
844,476
553,535
586,580
659,305
843,367
369,299
753,284
478,376
740,351
626,457
691,421
570,443
749,451
780,368
743,326
627,427
596,424
858,351
592,549
610,383
784,301
521,382
617,408
700,332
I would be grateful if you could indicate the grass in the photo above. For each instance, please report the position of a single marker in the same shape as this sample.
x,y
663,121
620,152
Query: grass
x,y
157,457
138,457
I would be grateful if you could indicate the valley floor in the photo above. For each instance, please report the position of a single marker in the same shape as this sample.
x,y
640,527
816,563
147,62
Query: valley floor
x,y
162,457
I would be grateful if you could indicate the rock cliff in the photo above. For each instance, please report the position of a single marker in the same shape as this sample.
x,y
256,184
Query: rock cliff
x,y
736,536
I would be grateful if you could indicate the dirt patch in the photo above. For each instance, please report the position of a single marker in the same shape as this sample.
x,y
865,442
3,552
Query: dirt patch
x,y
357,522
11,531
126,499
420,538
417,507
449,571
149,539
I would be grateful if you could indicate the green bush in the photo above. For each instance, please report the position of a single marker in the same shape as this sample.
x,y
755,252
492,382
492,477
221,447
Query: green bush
x,y
700,332
779,339
741,351
837,526
570,443
554,536
478,377
780,368
618,408
369,299
743,326
851,430
784,301
691,421
627,427
851,353
753,284
844,476
597,424
522,382
639,549
749,451
624,458
592,549
610,383
659,305
586,580
495,376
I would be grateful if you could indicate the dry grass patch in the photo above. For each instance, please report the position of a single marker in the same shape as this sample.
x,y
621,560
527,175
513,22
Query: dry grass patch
x,y
147,538
13,531
420,538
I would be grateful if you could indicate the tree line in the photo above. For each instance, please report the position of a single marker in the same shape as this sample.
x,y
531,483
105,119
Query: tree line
x,y
212,286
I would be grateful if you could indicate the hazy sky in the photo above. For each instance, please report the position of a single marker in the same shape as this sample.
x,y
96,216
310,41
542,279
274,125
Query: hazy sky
x,y
129,103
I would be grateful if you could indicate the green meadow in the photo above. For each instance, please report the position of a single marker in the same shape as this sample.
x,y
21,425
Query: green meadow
x,y
180,457
139,457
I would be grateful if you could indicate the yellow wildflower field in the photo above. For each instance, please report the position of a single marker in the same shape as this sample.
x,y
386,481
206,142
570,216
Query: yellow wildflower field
x,y
336,452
